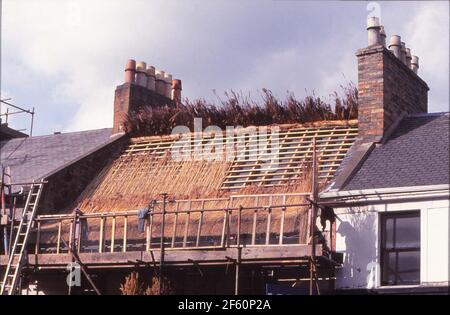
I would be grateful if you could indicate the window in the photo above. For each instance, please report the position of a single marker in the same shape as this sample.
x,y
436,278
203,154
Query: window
x,y
400,248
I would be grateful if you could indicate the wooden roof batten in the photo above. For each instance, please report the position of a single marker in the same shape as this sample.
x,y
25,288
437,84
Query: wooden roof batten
x,y
333,138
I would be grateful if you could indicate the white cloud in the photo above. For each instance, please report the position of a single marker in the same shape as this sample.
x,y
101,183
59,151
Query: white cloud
x,y
84,45
71,53
427,35
423,26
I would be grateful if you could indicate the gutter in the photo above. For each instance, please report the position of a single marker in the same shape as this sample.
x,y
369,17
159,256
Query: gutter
x,y
381,195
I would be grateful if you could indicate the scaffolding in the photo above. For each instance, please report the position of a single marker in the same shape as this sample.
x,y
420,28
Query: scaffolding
x,y
237,230
277,228
18,110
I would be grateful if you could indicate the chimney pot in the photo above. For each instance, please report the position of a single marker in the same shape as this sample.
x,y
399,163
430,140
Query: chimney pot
x,y
408,57
395,45
168,87
403,52
415,64
141,77
150,71
382,36
176,90
130,70
160,84
373,31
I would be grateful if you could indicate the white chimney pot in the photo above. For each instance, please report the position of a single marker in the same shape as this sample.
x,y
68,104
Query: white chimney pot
x,y
373,31
150,78
415,63
141,77
160,84
382,36
168,81
408,57
403,52
395,45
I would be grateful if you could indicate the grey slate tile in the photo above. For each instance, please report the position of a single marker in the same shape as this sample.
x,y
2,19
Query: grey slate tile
x,y
417,154
35,157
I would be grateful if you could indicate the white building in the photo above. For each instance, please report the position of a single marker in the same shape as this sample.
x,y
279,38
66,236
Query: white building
x,y
391,193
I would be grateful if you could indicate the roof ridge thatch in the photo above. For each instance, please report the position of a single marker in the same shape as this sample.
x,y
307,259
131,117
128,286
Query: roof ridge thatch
x,y
240,110
283,127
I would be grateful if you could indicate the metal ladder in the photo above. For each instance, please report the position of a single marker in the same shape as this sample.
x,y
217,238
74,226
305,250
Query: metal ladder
x,y
16,257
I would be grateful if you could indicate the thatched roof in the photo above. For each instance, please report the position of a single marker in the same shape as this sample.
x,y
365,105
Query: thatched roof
x,y
147,168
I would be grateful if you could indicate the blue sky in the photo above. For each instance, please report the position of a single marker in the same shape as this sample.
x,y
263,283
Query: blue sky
x,y
65,58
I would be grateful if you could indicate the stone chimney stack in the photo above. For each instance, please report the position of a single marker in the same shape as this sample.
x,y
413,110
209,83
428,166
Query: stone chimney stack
x,y
388,88
143,86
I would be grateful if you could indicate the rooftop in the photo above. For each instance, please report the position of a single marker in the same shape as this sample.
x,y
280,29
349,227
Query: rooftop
x,y
34,158
416,154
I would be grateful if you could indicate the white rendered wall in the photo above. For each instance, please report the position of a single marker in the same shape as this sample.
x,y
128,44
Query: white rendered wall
x,y
357,236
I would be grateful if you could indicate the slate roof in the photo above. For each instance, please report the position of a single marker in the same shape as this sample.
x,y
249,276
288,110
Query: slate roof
x,y
34,158
417,154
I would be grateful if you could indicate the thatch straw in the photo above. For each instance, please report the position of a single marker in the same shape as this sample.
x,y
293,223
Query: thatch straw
x,y
133,182
295,223
240,110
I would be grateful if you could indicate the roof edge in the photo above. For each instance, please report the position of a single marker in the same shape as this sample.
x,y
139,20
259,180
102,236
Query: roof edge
x,y
383,191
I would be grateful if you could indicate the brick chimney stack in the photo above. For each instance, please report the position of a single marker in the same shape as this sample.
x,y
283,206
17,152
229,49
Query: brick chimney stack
x,y
388,85
143,86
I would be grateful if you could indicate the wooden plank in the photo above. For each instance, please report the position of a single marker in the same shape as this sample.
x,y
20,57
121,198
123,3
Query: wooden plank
x,y
224,228
71,231
186,228
174,228
113,234
38,238
101,243
269,219
125,232
200,222
78,237
159,152
255,216
58,238
238,238
238,179
175,143
283,214
148,237
249,253
151,144
285,154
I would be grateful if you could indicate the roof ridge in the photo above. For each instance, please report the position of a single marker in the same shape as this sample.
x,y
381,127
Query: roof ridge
x,y
58,134
428,114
